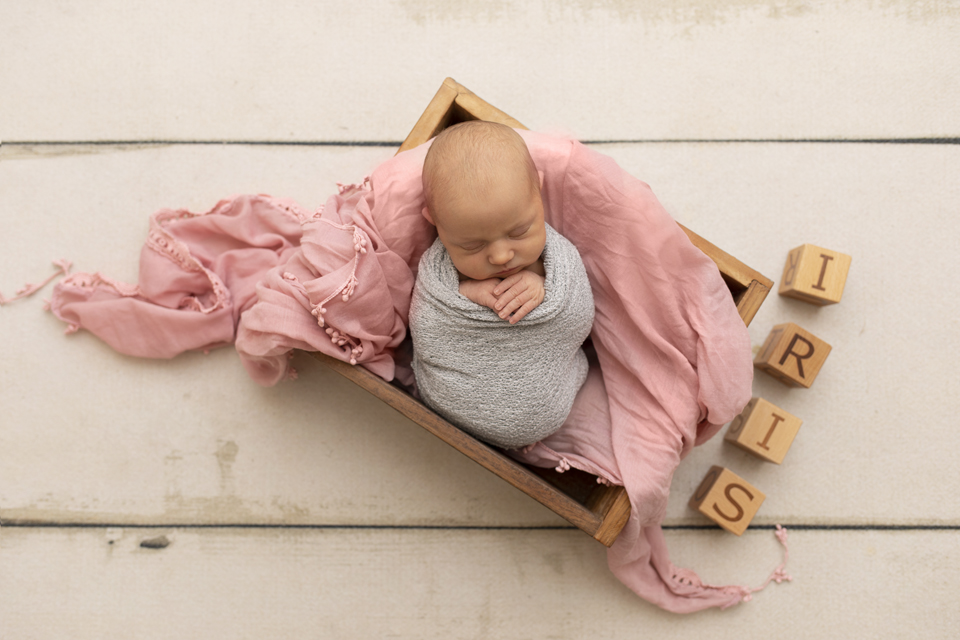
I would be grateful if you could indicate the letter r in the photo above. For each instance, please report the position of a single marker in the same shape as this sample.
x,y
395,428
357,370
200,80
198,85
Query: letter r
x,y
800,358
792,259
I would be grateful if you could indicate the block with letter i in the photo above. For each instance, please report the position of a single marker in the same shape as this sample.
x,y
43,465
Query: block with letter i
x,y
792,355
727,499
764,429
815,275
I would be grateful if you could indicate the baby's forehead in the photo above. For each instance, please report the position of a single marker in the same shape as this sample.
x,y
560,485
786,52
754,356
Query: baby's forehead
x,y
476,143
501,207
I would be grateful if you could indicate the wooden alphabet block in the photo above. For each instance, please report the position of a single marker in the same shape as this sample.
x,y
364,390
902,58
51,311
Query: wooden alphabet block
x,y
792,355
727,499
764,429
815,275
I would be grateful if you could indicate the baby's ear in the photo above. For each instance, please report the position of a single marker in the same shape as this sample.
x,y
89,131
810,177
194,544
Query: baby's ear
x,y
540,173
426,214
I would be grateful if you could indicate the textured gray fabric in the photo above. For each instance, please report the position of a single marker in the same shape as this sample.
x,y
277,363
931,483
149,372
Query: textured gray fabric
x,y
509,385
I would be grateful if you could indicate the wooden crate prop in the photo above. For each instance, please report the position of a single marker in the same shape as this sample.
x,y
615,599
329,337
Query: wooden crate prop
x,y
599,510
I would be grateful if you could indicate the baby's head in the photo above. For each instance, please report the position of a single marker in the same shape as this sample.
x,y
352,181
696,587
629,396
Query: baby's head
x,y
482,193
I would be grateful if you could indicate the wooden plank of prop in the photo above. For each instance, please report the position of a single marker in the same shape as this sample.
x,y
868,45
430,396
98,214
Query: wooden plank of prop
x,y
748,286
453,103
599,510
581,515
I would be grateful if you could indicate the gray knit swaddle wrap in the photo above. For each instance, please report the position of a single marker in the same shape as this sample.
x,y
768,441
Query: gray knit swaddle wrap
x,y
509,385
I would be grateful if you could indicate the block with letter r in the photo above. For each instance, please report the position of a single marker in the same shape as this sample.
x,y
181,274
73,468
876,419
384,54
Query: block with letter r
x,y
792,355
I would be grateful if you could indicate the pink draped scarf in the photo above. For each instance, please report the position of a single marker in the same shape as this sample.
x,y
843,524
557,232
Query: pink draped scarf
x,y
271,277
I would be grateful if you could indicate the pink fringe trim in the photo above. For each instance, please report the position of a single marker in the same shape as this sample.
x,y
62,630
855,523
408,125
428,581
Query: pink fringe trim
x,y
27,290
689,583
163,242
778,575
746,593
349,286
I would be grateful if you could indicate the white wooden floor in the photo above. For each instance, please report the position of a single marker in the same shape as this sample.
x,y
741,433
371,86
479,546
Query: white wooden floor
x,y
307,510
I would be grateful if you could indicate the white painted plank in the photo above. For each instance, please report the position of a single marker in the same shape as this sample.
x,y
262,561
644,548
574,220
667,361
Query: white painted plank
x,y
90,436
275,583
333,70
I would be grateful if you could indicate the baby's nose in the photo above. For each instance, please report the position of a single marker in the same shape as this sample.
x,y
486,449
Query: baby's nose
x,y
500,254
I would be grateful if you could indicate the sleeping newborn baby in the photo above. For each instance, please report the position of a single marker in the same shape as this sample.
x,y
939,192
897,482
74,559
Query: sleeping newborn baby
x,y
502,303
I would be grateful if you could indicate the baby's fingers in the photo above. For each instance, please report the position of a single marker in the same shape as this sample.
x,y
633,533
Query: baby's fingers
x,y
506,284
511,298
522,312
522,303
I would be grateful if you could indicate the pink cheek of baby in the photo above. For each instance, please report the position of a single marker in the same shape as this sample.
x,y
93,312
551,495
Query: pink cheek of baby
x,y
473,267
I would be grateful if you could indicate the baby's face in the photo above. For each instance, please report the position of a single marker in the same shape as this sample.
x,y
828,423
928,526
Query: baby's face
x,y
497,236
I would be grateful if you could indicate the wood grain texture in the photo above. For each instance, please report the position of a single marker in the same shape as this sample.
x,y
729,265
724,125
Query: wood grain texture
x,y
453,103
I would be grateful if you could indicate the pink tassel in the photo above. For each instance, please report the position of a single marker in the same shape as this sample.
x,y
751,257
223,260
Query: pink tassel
x,y
343,188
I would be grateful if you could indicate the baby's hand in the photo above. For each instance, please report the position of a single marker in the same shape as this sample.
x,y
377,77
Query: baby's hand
x,y
480,291
518,295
